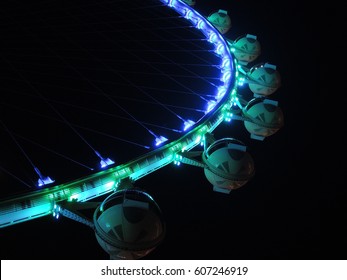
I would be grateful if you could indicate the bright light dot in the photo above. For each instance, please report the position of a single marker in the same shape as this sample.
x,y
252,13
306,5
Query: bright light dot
x,y
210,105
159,140
189,14
241,81
109,184
225,63
106,162
212,38
200,24
187,124
198,139
220,48
226,77
221,92
73,197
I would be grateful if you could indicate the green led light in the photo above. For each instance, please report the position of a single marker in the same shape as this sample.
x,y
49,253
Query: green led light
x,y
198,139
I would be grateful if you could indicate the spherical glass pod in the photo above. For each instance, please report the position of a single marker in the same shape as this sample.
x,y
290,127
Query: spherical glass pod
x,y
129,224
220,20
189,2
228,165
263,79
263,117
246,48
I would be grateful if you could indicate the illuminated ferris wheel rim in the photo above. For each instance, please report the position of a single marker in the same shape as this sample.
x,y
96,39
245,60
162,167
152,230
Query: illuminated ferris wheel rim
x,y
106,181
229,71
213,117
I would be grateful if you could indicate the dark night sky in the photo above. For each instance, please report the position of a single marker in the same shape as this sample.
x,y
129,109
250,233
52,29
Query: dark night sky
x,y
282,213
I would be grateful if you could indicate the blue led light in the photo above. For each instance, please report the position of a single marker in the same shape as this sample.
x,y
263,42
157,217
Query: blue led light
x,y
200,24
219,48
159,140
226,77
212,38
189,14
42,181
225,63
187,124
210,106
104,162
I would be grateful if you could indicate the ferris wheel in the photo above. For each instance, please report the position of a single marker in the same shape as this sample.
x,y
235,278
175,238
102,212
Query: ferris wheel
x,y
127,221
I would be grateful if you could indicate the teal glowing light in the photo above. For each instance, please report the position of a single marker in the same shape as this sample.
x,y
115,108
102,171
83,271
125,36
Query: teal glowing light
x,y
221,91
228,116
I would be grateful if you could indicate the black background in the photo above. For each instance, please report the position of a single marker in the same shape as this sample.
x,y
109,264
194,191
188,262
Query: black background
x,y
289,210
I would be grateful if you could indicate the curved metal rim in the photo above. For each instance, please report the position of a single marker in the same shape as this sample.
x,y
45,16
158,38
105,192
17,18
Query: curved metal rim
x,y
207,123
